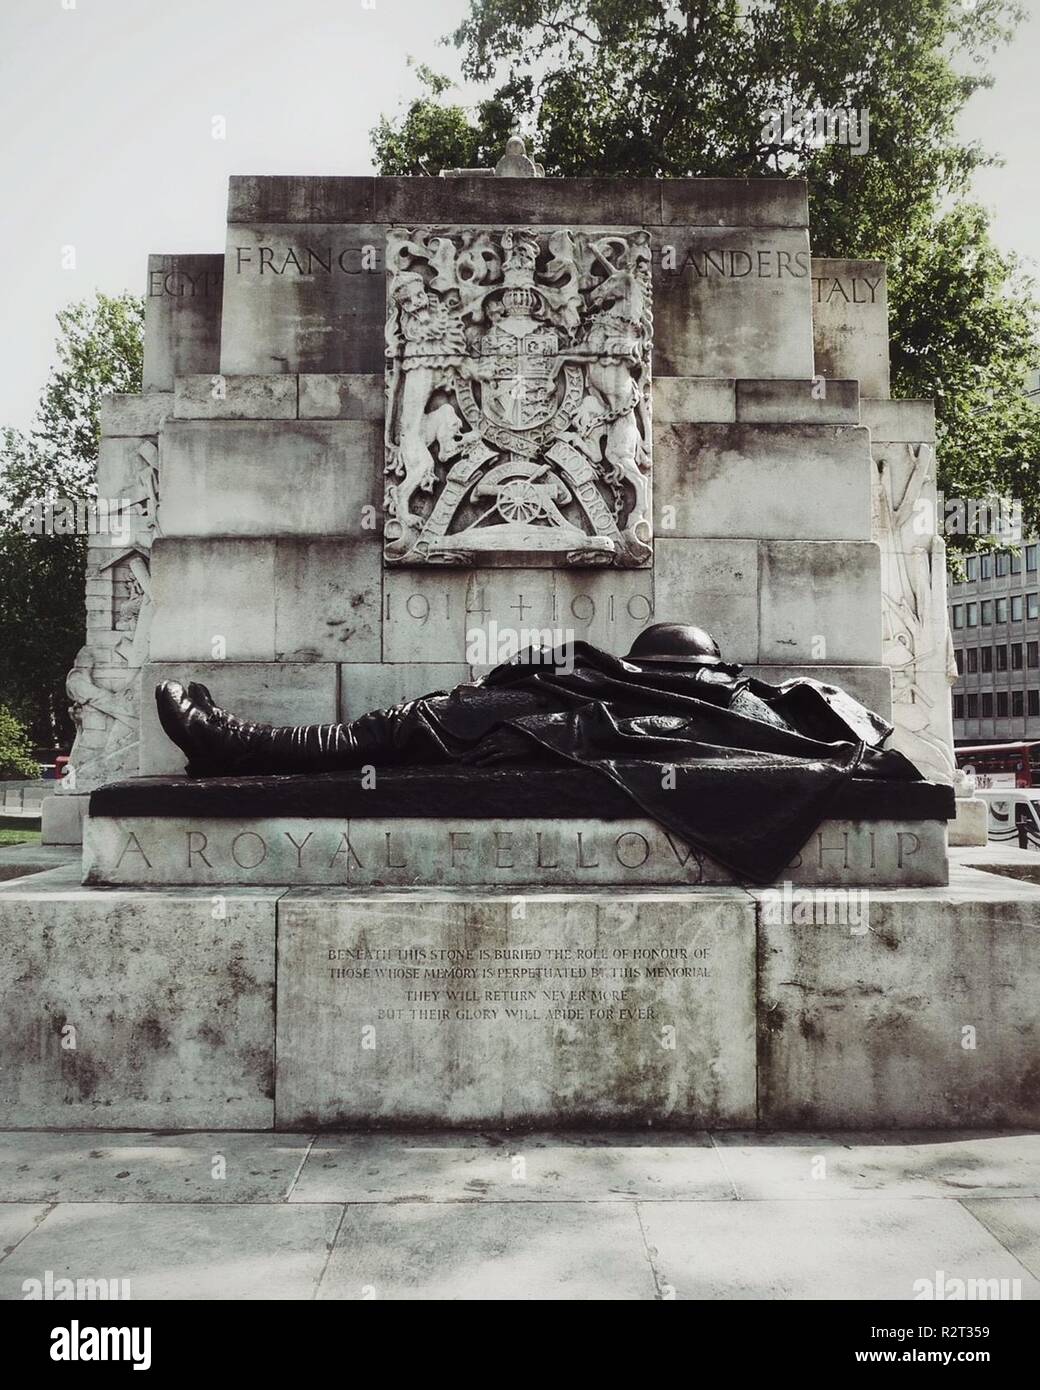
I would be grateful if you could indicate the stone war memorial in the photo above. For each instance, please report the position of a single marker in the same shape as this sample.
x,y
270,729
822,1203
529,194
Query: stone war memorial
x,y
532,577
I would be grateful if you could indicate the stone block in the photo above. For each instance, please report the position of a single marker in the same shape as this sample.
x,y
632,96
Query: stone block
x,y
304,299
683,399
734,202
264,692
850,321
425,614
820,598
286,478
61,818
135,415
136,1010
971,826
327,596
219,397
366,686
733,303
341,396
608,608
713,584
817,402
762,481
583,1009
487,851
182,318
899,422
213,597
926,1019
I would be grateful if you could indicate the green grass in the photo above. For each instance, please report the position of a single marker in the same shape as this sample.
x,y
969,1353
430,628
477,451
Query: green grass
x,y
19,837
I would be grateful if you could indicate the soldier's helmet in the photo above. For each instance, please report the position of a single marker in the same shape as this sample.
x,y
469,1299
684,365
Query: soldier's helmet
x,y
666,644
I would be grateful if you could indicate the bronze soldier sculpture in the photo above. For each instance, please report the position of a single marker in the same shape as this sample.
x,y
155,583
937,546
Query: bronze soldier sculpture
x,y
718,756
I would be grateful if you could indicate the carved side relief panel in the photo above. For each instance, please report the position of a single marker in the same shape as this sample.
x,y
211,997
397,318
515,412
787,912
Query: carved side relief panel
x,y
518,397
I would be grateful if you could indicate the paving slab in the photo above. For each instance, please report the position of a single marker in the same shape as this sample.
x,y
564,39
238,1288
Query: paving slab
x,y
235,1251
17,1220
201,1167
512,1168
443,1250
863,1248
902,1163
1015,1221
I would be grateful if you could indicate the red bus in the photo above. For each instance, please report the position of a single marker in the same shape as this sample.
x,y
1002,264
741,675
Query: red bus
x,y
1001,764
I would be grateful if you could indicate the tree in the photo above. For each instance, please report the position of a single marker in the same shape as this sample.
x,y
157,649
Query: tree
x,y
16,759
99,350
655,88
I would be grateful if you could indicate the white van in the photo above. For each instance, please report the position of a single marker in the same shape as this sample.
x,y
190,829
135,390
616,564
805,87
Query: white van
x,y
1014,815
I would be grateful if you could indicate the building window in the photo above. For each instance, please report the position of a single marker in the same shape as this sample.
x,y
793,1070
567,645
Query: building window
x,y
1033,605
1016,656
1033,655
987,705
1033,701
958,615
987,658
1001,658
1016,608
972,655
973,707
958,705
1016,562
971,615
1031,551
1002,704
986,566
971,569
1001,610
1018,703
1002,563
987,612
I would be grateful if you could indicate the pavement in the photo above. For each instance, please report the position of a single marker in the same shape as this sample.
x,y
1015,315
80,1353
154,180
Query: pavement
x,y
233,1215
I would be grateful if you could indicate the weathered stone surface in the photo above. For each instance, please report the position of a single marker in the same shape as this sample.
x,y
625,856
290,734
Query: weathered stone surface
x,y
714,584
764,481
265,692
927,1018
690,399
850,321
486,851
899,422
182,318
341,396
469,1012
213,597
820,598
303,299
135,416
141,1010
971,828
816,402
733,303
697,202
62,818
327,597
217,397
258,478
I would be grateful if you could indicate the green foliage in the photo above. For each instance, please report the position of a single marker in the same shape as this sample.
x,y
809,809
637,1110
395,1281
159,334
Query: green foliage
x,y
99,350
16,759
654,88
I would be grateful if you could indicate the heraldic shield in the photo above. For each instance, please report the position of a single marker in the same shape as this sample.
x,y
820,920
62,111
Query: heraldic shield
x,y
518,397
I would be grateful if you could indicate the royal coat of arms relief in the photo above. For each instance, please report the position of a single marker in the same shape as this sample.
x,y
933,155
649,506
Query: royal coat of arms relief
x,y
518,397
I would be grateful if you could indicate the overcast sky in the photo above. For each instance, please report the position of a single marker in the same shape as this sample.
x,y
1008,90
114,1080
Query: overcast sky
x,y
107,108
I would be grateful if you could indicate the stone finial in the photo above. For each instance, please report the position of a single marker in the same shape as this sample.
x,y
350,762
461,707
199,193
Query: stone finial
x,y
514,164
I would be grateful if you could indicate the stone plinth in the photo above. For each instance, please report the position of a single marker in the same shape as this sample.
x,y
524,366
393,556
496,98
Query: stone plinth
x,y
472,827
462,1009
